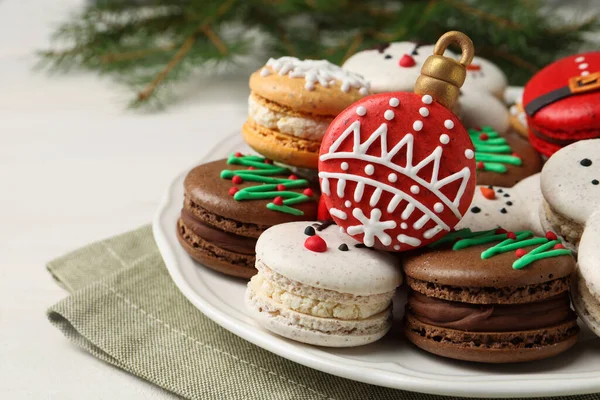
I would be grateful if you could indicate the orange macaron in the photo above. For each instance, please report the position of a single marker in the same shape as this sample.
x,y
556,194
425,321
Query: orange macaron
x,y
291,104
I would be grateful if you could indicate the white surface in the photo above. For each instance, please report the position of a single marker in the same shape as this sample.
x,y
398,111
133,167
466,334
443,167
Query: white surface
x,y
391,362
75,168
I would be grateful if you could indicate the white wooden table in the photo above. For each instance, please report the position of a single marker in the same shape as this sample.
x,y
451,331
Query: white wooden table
x,y
75,167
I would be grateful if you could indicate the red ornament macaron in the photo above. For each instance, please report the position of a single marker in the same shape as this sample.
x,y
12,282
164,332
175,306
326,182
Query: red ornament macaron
x,y
562,102
397,170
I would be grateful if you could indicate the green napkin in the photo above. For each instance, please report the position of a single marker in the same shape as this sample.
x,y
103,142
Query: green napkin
x,y
125,310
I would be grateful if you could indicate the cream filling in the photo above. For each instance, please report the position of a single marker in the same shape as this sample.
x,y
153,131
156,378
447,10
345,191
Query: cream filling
x,y
301,127
314,307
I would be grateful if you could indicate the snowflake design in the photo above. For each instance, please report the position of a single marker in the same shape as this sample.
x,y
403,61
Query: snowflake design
x,y
372,227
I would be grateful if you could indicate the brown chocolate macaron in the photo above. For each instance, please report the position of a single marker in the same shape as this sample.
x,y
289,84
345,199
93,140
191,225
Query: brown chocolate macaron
x,y
503,160
491,296
229,203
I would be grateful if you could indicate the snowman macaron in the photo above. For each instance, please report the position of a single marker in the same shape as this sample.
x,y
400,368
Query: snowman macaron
x,y
570,184
485,76
394,67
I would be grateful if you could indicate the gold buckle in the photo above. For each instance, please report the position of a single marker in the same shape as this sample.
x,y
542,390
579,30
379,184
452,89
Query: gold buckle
x,y
581,84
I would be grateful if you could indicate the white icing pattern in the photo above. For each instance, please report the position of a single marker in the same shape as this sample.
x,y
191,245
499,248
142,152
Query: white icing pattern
x,y
372,227
582,65
318,71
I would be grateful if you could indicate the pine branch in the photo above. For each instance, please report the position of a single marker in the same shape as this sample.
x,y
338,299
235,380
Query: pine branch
x,y
150,44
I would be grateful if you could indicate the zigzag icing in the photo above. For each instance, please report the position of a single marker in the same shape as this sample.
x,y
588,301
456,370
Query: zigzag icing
x,y
359,151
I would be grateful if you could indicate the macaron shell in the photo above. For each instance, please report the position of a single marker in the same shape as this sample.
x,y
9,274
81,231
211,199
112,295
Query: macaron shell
x,y
480,108
280,147
567,183
518,120
466,268
382,68
291,92
589,254
531,164
575,117
357,271
400,163
509,354
204,186
213,257
514,209
585,304
486,76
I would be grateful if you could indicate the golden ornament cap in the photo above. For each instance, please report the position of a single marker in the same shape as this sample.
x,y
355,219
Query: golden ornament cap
x,y
441,77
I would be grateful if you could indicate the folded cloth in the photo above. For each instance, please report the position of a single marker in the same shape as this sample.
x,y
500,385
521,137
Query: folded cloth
x,y
125,310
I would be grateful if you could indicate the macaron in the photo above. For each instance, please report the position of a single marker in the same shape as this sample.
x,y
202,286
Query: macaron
x,y
516,208
317,285
485,76
394,67
491,297
397,170
585,288
291,104
391,67
570,183
479,108
503,160
518,119
228,203
562,102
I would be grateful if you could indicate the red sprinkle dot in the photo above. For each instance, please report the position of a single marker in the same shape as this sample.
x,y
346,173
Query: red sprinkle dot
x,y
315,243
480,165
237,179
520,253
250,168
308,192
478,128
551,235
238,154
233,190
278,201
280,187
511,235
516,155
292,177
267,161
558,246
484,136
500,231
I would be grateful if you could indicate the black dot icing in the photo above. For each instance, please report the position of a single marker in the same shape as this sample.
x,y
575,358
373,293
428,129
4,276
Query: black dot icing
x,y
595,182
503,210
509,203
324,225
475,210
309,231
387,56
586,162
360,245
506,195
343,247
490,187
500,191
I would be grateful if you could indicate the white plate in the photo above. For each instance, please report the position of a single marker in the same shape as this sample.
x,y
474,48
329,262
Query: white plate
x,y
391,362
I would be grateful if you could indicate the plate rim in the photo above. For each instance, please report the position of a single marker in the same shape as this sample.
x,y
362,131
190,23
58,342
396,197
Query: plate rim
x,y
554,384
